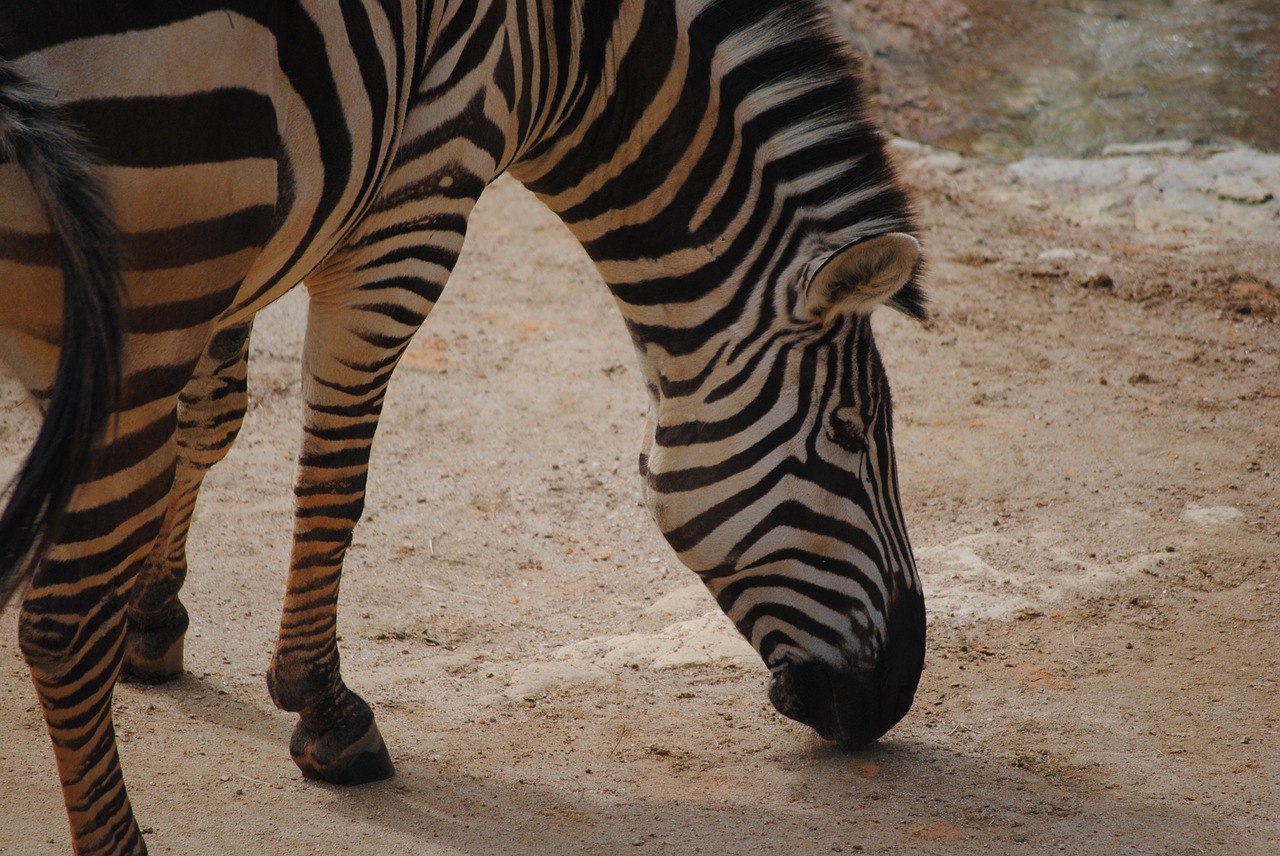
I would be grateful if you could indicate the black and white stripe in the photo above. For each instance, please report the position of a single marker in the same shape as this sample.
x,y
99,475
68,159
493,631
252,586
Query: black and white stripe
x,y
714,159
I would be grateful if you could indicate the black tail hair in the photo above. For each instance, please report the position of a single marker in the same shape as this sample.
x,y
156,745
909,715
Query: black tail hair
x,y
56,161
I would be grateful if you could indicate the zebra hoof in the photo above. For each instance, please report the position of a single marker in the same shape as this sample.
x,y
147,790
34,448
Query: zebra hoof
x,y
152,656
335,756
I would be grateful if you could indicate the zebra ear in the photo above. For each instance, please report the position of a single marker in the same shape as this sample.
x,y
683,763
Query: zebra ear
x,y
859,277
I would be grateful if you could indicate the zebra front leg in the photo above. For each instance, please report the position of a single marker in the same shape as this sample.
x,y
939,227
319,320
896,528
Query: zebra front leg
x,y
344,383
367,301
211,410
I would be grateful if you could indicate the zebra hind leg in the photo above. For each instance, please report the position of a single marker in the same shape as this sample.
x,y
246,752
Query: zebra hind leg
x,y
72,621
211,410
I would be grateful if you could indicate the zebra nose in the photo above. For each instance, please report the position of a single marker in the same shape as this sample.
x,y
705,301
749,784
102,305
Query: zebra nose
x,y
856,706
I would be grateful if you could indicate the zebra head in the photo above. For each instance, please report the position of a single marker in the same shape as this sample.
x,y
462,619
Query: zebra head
x,y
772,474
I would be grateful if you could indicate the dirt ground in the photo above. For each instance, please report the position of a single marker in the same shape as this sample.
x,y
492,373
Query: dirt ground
x,y
1088,434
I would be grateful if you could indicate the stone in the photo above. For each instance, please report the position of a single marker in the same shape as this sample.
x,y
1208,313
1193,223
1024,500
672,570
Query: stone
x,y
1163,147
1215,515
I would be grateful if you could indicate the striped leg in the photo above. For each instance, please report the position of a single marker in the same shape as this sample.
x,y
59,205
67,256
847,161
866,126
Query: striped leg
x,y
363,313
210,412
72,622
71,631
336,739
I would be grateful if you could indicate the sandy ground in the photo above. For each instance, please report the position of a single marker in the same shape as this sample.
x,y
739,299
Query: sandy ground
x,y
1089,446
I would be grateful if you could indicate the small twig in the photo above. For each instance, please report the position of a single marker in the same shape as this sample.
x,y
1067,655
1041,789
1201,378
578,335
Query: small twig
x,y
455,593
256,781
1075,644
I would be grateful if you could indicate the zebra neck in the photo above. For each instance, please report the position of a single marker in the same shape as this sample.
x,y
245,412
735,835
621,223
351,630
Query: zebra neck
x,y
704,153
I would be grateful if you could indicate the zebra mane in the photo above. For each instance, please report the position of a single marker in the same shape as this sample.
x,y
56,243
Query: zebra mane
x,y
795,45
800,37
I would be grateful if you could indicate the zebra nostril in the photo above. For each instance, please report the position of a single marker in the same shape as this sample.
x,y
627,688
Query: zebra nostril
x,y
787,695
838,704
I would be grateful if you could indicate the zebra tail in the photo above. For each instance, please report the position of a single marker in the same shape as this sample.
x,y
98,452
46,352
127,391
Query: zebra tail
x,y
55,159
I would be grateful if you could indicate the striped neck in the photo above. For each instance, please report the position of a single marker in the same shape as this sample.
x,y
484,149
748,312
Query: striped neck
x,y
704,149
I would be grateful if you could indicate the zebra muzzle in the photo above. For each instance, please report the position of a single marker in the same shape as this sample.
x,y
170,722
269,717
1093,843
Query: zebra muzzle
x,y
855,706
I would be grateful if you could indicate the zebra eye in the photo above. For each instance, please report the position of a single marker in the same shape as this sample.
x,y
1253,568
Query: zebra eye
x,y
845,430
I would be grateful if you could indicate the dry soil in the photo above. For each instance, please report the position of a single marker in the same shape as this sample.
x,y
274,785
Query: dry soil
x,y
1089,446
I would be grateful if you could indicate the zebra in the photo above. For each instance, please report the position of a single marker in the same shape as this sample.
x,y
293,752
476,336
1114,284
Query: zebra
x,y
180,166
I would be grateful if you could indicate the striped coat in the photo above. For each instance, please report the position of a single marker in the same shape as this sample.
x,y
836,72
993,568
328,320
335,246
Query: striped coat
x,y
169,169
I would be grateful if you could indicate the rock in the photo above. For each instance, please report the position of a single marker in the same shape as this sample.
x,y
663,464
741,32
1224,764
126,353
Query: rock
x,y
1066,255
538,679
931,157
1161,189
1101,174
679,605
1215,515
1244,189
1166,147
958,583
1108,206
709,640
1061,254
1007,196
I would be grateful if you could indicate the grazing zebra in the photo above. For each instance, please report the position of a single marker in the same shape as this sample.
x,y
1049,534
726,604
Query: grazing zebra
x,y
168,169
